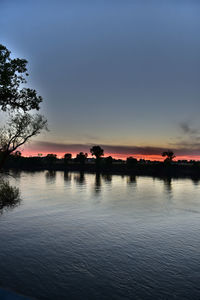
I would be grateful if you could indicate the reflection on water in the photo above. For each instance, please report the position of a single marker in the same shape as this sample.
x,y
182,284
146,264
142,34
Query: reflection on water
x,y
97,186
131,180
196,180
67,176
94,236
80,178
50,176
167,184
107,178
9,196
8,205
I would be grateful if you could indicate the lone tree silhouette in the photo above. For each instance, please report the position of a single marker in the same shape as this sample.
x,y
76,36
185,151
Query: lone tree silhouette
x,y
97,151
17,102
169,156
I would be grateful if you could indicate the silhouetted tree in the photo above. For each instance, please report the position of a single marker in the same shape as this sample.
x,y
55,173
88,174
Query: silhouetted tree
x,y
97,151
51,159
20,128
17,101
169,156
67,158
13,73
131,162
108,161
81,158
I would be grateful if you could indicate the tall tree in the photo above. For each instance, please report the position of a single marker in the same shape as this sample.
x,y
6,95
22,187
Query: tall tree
x,y
18,103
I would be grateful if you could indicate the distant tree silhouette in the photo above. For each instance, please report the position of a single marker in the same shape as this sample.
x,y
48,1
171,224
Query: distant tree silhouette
x,y
18,154
108,161
131,162
169,156
97,151
81,158
51,159
67,158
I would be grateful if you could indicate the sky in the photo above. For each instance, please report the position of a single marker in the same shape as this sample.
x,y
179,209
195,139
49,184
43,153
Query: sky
x,y
122,74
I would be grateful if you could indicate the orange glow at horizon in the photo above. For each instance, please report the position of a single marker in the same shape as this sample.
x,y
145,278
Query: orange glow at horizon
x,y
116,156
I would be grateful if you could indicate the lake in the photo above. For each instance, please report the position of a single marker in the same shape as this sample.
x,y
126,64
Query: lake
x,y
90,236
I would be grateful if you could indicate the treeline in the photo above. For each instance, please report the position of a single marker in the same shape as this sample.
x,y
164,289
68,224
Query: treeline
x,y
104,164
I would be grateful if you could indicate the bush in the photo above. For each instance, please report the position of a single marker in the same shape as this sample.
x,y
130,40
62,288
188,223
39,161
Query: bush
x,y
9,195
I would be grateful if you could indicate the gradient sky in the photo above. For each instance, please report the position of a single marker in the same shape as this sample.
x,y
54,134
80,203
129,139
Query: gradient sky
x,y
123,74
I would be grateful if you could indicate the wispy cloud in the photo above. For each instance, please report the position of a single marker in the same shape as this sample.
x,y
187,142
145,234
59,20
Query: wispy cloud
x,y
187,129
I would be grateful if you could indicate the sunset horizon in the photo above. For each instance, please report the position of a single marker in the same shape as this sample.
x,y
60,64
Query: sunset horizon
x,y
148,153
99,149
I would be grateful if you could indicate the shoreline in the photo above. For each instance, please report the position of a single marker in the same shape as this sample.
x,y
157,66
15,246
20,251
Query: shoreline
x,y
153,170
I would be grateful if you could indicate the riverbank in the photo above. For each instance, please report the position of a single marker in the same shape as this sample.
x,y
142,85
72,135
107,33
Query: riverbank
x,y
151,169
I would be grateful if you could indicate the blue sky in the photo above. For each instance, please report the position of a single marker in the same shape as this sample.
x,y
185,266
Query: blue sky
x,y
119,73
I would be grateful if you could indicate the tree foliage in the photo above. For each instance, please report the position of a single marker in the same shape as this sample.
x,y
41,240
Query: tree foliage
x,y
13,73
67,158
51,159
81,158
20,128
97,151
131,162
169,156
17,102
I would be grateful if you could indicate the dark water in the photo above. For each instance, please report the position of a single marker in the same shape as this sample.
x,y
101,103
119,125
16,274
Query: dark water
x,y
78,236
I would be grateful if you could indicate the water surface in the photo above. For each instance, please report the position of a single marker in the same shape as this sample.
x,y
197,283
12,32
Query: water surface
x,y
87,236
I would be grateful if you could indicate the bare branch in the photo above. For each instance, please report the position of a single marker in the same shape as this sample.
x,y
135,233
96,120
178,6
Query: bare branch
x,y
20,128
